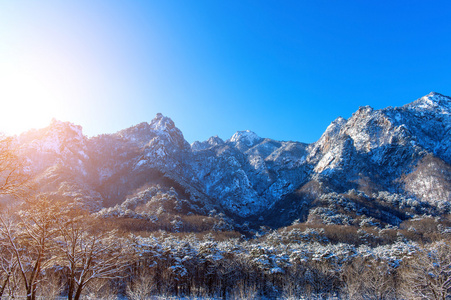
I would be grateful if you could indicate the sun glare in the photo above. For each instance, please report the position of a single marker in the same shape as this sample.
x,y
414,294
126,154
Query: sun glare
x,y
29,97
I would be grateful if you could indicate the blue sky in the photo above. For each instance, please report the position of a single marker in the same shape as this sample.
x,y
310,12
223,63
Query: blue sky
x,y
284,69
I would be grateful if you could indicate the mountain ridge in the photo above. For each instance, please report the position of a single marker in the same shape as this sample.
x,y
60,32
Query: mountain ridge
x,y
403,152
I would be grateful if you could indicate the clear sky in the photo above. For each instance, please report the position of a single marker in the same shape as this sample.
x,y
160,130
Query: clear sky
x,y
284,69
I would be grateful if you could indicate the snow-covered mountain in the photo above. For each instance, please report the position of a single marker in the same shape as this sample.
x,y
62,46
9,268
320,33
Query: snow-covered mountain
x,y
386,164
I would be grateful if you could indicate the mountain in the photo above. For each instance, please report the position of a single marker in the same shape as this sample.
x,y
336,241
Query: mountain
x,y
381,166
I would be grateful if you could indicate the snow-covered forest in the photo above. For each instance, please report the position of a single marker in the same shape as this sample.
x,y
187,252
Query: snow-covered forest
x,y
53,249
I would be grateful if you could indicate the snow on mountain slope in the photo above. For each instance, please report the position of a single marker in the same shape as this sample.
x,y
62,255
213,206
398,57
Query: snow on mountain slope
x,y
59,162
383,146
211,142
403,151
244,139
59,143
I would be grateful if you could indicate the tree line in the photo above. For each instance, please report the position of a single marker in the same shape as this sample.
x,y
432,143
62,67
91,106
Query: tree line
x,y
55,249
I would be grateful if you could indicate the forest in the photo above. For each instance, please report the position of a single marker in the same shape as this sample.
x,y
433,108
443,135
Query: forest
x,y
52,249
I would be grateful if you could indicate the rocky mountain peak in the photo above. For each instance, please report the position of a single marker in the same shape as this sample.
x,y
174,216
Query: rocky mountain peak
x,y
247,138
161,127
162,123
60,143
211,142
335,126
215,140
60,126
56,136
433,102
437,97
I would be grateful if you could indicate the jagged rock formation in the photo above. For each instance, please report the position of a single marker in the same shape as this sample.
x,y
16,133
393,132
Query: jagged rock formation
x,y
388,164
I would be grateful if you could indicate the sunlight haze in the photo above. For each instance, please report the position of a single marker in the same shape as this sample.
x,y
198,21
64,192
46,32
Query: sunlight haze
x,y
283,70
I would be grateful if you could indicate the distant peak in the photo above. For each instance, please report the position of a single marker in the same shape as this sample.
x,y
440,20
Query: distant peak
x,y
56,122
211,142
161,122
248,137
432,101
437,97
62,125
365,109
434,94
215,140
339,121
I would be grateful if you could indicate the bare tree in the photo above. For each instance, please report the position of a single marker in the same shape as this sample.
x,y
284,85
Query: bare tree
x,y
366,278
51,286
8,266
13,178
429,275
28,235
104,289
89,253
141,286
13,181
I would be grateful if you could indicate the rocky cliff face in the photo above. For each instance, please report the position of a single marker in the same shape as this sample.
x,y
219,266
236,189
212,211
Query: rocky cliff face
x,y
384,145
377,160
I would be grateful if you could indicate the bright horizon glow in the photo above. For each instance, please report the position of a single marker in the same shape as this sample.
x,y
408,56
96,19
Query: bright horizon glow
x,y
29,93
284,70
